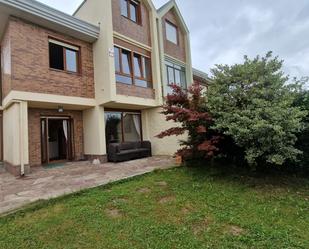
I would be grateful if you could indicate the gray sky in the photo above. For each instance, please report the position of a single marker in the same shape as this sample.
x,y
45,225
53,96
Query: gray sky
x,y
223,31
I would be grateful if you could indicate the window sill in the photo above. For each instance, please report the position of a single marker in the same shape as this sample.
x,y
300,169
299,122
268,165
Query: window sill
x,y
67,72
134,85
173,43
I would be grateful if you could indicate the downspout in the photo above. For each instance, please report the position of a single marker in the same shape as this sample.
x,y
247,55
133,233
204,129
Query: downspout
x,y
21,138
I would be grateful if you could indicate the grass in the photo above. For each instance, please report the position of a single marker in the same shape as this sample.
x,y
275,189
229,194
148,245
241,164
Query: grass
x,y
178,208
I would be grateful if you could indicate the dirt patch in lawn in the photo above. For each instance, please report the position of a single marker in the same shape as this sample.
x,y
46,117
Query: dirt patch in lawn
x,y
161,184
167,199
113,213
201,227
235,230
120,200
187,209
144,190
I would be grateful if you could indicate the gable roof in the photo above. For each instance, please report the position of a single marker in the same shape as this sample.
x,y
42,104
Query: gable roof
x,y
172,5
201,75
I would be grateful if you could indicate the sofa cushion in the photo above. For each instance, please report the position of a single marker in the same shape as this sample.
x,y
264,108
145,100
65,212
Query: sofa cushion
x,y
126,152
126,146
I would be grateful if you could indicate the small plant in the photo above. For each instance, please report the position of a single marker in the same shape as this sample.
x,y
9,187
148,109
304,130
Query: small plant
x,y
188,110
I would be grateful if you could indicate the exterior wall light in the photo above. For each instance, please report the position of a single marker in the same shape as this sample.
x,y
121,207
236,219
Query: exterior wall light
x,y
60,109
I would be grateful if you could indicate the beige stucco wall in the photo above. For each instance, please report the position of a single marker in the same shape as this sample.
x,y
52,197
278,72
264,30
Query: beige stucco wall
x,y
94,131
153,124
100,12
15,134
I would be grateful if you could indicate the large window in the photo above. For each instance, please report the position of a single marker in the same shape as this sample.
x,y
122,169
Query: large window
x,y
63,56
132,68
176,74
123,127
131,9
171,32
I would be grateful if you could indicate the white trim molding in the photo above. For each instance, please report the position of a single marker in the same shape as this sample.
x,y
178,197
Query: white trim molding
x,y
131,41
174,60
42,98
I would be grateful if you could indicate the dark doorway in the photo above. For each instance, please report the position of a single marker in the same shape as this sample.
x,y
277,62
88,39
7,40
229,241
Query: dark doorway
x,y
56,139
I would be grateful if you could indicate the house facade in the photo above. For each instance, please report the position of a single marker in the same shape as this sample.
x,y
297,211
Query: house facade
x,y
70,85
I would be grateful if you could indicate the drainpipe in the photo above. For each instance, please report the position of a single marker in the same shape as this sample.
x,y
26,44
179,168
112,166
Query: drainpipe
x,y
21,139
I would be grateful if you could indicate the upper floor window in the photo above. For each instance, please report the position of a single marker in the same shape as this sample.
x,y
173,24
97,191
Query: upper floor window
x,y
176,74
132,68
63,56
171,32
131,9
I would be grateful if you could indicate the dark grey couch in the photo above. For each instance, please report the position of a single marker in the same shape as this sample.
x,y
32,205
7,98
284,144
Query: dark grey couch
x,y
120,152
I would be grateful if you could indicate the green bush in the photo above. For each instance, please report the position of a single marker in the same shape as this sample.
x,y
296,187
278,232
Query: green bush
x,y
302,101
253,103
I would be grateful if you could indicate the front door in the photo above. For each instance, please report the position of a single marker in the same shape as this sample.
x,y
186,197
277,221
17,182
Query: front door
x,y
56,139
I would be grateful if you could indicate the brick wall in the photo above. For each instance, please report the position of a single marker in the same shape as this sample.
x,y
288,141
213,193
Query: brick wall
x,y
6,64
135,91
177,51
34,121
126,27
30,63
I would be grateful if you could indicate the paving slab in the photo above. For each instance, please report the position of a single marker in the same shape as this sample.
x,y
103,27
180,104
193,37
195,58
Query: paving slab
x,y
43,184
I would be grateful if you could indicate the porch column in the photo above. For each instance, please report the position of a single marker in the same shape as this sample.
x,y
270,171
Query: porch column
x,y
94,134
15,138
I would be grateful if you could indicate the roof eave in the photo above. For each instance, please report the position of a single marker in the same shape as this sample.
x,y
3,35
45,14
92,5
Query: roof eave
x,y
51,18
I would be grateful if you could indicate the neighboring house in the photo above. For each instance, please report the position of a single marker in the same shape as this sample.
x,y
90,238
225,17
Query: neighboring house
x,y
73,84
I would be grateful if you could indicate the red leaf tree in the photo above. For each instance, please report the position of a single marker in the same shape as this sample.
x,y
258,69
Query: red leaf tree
x,y
188,110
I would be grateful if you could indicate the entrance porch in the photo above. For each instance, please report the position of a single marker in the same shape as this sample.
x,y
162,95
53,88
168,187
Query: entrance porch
x,y
55,137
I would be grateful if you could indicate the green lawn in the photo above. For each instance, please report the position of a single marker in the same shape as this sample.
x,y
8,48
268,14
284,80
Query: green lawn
x,y
178,208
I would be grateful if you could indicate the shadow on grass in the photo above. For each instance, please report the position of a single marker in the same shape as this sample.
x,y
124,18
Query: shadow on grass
x,y
270,177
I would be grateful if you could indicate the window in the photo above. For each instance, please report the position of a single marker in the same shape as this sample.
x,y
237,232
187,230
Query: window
x,y
124,8
176,74
117,59
132,68
63,56
131,10
123,127
171,32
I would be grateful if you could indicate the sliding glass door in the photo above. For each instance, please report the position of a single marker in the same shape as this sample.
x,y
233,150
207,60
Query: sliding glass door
x,y
113,127
123,126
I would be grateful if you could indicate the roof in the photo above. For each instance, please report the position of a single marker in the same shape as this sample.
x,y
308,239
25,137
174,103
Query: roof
x,y
202,75
164,6
169,6
48,17
149,2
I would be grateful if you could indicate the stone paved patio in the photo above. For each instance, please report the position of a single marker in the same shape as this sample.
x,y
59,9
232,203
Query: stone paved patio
x,y
44,184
